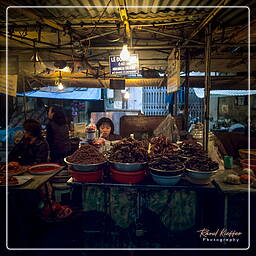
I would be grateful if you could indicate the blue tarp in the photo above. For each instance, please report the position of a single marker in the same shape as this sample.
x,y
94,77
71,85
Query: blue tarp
x,y
10,134
75,94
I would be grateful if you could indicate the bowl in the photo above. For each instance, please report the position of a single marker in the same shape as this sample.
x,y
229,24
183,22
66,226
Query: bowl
x,y
161,172
199,177
128,167
92,176
84,167
245,164
127,177
44,168
166,180
244,153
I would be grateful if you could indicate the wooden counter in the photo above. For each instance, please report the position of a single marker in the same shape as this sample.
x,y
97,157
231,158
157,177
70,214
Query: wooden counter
x,y
36,180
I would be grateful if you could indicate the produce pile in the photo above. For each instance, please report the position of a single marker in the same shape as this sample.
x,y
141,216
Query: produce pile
x,y
161,145
129,150
204,164
167,163
14,168
190,148
86,154
11,180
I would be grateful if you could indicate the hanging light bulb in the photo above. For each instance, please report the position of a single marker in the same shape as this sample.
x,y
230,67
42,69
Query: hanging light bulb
x,y
125,55
60,86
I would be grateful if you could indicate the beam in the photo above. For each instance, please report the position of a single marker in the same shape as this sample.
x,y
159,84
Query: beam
x,y
241,34
124,18
207,19
131,25
21,38
169,35
32,15
100,35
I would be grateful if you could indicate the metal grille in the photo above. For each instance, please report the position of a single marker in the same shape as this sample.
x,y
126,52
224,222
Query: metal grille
x,y
195,105
154,101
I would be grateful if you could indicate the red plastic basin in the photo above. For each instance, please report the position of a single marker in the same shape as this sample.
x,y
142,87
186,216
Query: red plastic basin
x,y
86,176
127,177
245,164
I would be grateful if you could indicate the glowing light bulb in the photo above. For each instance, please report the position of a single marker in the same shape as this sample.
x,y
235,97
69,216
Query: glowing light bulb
x,y
125,55
60,86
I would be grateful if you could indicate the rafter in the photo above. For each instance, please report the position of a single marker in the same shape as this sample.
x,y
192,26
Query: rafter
x,y
32,15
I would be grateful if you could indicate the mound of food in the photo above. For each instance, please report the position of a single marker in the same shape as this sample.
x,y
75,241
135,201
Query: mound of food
x,y
204,164
86,154
11,180
162,145
14,168
129,150
168,163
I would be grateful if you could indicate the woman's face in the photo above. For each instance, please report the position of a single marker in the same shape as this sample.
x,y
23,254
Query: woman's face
x,y
50,113
105,130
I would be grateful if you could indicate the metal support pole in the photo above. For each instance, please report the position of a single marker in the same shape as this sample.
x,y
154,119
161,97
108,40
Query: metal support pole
x,y
175,104
186,89
207,86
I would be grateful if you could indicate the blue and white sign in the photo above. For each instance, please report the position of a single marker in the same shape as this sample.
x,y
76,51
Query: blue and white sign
x,y
119,67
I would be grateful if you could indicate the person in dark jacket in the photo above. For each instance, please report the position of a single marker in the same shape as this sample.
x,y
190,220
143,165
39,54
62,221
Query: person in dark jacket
x,y
105,127
58,134
32,148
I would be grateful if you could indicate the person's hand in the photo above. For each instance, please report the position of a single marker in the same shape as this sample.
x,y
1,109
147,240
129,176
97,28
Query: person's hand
x,y
104,135
100,141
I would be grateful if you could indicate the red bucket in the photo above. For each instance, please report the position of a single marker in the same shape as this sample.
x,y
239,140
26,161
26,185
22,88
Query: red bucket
x,y
86,176
127,177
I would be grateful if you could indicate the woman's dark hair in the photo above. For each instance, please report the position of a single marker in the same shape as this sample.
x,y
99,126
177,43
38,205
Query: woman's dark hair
x,y
33,127
58,115
105,120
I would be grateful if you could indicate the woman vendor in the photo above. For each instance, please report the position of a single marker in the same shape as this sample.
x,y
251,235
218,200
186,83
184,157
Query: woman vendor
x,y
58,134
105,127
32,148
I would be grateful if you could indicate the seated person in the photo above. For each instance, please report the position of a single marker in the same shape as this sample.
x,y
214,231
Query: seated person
x,y
105,127
236,126
32,148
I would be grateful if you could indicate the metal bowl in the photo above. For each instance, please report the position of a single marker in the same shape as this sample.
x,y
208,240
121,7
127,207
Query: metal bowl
x,y
84,167
128,167
161,172
199,177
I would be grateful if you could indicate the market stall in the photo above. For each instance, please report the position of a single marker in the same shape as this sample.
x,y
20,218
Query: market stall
x,y
162,185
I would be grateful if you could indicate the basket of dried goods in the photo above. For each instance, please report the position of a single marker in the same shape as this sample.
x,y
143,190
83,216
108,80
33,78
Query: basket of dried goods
x,y
86,159
128,155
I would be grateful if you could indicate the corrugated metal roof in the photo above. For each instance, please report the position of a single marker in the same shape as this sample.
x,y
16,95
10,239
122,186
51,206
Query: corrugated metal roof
x,y
141,9
146,13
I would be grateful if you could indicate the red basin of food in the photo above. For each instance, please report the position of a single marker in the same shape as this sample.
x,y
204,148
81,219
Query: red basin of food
x,y
245,164
127,177
86,176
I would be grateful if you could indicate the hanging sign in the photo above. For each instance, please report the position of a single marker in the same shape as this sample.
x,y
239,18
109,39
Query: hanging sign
x,y
119,67
173,71
12,84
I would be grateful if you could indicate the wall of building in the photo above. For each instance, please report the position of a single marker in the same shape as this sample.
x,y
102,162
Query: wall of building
x,y
237,108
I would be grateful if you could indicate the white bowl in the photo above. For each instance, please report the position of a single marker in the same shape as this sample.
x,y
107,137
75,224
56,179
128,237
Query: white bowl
x,y
199,177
